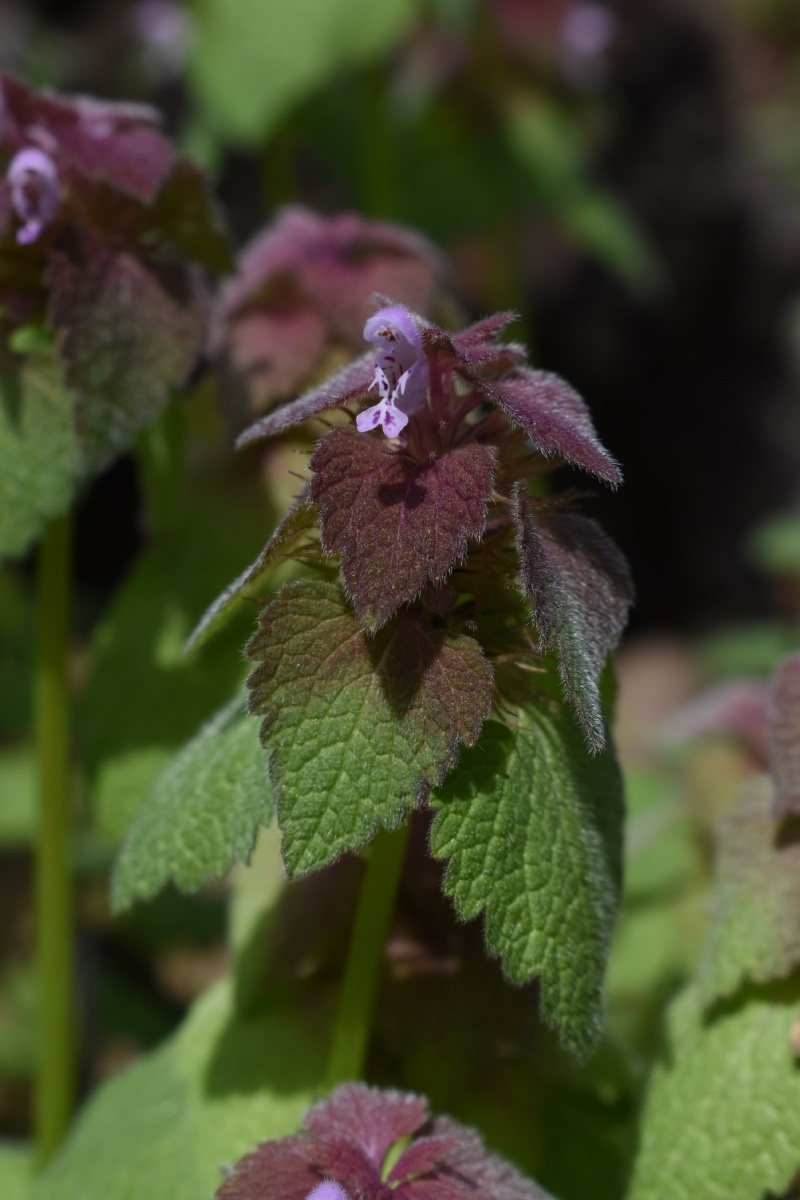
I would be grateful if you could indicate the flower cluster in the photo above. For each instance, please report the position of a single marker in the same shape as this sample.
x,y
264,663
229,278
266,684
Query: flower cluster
x,y
103,227
302,291
349,1151
427,500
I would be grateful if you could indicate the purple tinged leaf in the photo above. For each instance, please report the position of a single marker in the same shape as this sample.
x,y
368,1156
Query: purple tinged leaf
x,y
35,192
580,588
359,728
117,144
351,383
736,707
484,331
784,736
127,330
556,420
443,1160
397,524
371,1119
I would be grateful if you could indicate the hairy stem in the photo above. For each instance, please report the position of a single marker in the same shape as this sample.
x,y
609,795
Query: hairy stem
x,y
364,957
55,1079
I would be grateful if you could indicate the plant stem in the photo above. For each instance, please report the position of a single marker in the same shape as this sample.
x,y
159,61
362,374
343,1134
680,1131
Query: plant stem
x,y
55,1081
364,957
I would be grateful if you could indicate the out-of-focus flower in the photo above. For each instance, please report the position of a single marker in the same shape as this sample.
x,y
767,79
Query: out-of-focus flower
x,y
165,33
103,226
587,32
35,192
350,1149
736,708
303,289
573,37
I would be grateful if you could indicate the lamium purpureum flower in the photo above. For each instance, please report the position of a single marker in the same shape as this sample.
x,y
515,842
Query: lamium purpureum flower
x,y
401,371
349,1151
35,192
329,1189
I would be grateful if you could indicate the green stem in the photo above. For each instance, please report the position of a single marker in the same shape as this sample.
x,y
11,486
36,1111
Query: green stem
x,y
55,1082
364,958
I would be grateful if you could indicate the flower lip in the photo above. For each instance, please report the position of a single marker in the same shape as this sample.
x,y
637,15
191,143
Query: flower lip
x,y
401,370
329,1189
35,192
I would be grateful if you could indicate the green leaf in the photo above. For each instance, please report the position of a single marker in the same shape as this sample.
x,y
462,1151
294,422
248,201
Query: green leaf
x,y
358,728
39,452
203,813
531,823
254,62
720,1118
16,1171
170,1124
755,902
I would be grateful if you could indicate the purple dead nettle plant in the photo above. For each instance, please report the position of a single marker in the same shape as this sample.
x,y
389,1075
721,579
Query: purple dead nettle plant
x,y
303,288
103,230
366,1144
470,590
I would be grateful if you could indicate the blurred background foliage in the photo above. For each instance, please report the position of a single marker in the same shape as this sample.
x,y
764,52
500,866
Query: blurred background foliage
x,y
627,177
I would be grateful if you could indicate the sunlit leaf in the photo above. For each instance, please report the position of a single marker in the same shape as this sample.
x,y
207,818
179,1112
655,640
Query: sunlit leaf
x,y
357,728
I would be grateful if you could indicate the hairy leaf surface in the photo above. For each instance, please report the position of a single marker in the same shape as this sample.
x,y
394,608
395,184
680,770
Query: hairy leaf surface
x,y
581,590
203,812
39,452
128,330
531,824
351,383
397,525
556,420
349,1137
358,728
755,903
720,1119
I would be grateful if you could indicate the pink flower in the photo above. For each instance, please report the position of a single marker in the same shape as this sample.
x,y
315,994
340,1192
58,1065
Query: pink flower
x,y
35,192
401,371
329,1189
